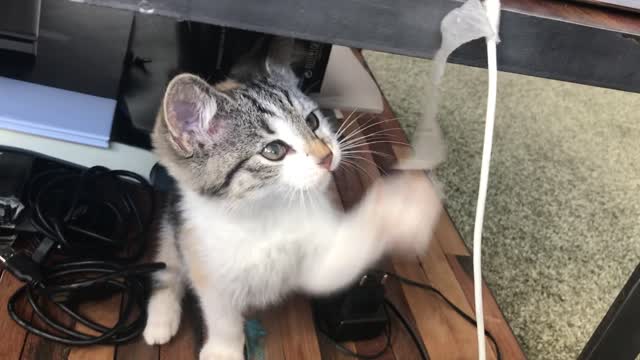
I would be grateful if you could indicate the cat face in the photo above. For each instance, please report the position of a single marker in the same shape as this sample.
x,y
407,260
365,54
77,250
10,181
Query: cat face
x,y
243,139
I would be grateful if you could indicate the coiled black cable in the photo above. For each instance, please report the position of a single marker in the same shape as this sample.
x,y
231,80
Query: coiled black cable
x,y
69,284
91,212
94,220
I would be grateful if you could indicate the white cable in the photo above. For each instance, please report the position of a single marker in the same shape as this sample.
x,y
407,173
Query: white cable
x,y
468,22
493,13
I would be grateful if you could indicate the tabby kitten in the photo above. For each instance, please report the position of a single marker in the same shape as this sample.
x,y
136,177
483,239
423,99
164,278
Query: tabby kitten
x,y
250,221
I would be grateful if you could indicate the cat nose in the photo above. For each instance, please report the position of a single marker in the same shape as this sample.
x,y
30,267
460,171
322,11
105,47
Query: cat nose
x,y
326,161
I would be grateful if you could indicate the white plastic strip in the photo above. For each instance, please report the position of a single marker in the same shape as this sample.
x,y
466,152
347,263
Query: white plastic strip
x,y
461,25
468,22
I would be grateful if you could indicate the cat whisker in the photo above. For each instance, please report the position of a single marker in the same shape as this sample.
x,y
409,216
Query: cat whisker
x,y
362,127
365,123
360,158
377,133
388,133
364,171
289,196
305,194
363,141
358,128
344,122
343,166
354,121
354,157
347,165
366,152
312,200
362,137
299,197
376,142
387,136
362,145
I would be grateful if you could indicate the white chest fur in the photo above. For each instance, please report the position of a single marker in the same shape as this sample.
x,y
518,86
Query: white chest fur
x,y
254,254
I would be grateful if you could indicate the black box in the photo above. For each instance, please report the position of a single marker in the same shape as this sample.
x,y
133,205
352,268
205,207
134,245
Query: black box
x,y
19,25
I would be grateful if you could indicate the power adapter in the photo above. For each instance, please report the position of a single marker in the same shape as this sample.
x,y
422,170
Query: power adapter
x,y
15,169
357,313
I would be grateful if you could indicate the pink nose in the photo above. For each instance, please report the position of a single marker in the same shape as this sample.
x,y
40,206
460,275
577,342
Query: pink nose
x,y
326,161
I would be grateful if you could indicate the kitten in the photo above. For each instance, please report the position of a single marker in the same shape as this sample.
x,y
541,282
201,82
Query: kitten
x,y
250,221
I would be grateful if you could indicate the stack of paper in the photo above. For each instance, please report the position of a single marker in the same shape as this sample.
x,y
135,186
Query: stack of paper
x,y
55,113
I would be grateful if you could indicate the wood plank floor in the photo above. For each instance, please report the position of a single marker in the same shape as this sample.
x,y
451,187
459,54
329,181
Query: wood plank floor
x,y
291,334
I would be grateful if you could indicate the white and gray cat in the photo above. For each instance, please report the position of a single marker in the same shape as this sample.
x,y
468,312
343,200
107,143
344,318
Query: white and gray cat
x,y
250,221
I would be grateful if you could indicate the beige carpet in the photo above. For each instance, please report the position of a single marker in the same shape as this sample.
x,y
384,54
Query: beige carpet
x,y
562,231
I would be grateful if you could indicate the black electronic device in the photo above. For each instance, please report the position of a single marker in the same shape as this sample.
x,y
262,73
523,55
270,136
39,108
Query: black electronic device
x,y
19,25
357,313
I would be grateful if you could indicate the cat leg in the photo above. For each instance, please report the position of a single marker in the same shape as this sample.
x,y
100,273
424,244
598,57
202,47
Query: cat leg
x,y
222,318
225,327
398,214
165,305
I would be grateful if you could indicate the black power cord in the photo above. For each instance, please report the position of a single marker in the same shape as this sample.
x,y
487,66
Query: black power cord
x,y
70,284
459,311
90,232
424,354
91,212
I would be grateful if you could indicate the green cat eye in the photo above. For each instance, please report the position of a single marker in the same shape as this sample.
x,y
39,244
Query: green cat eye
x,y
275,150
312,121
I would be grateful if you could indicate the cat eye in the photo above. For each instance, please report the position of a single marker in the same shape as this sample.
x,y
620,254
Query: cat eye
x,y
275,150
312,121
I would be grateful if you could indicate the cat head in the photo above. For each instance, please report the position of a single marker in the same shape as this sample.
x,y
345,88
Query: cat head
x,y
253,134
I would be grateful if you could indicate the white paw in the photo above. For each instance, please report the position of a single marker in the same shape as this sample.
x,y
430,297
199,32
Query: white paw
x,y
217,351
406,208
163,318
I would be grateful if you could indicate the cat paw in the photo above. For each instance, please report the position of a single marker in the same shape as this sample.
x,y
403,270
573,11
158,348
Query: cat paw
x,y
163,319
405,208
212,351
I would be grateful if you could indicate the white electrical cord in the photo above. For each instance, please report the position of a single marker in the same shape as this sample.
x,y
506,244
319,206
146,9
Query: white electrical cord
x,y
492,8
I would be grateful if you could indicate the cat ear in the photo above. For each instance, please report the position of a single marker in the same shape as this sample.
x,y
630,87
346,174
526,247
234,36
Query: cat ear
x,y
282,53
270,55
190,113
251,63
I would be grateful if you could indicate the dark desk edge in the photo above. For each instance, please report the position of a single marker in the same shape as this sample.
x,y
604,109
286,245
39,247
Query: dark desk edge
x,y
532,44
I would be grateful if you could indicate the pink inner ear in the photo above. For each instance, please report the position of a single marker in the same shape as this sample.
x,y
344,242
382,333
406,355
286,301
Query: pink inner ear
x,y
187,120
186,116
